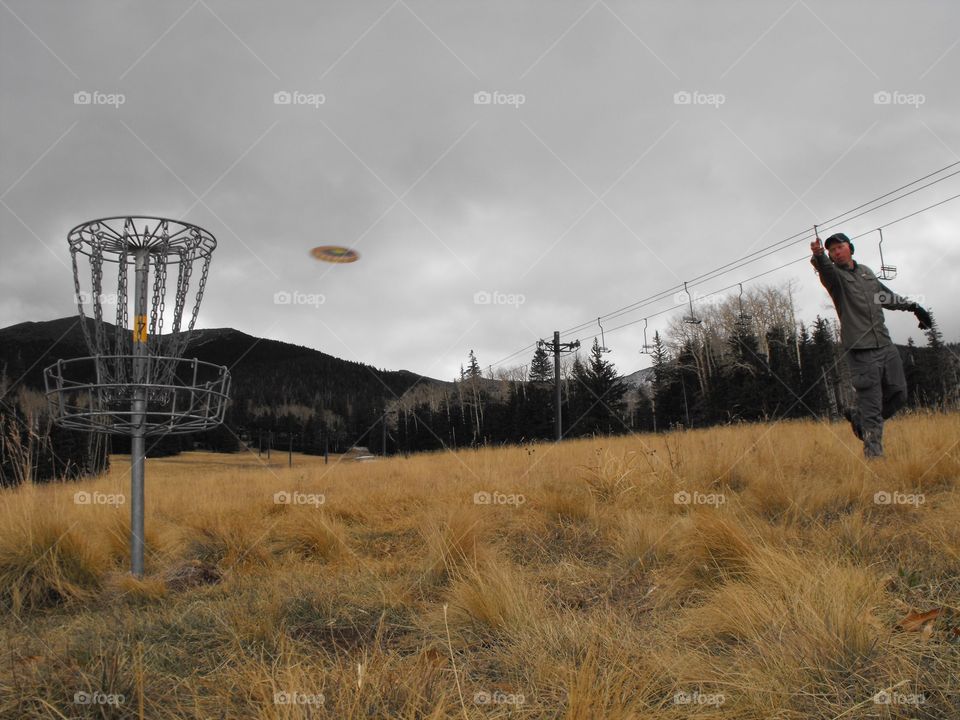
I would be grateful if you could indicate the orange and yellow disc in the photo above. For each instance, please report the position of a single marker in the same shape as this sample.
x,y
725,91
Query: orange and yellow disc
x,y
335,254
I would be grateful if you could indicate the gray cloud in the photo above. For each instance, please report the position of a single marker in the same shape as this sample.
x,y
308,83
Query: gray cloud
x,y
506,195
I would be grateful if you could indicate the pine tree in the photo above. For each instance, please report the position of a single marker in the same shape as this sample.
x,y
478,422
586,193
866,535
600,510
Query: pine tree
x,y
577,400
812,389
783,376
738,396
541,369
601,393
824,364
536,413
667,406
689,383
661,371
609,387
939,373
473,403
473,367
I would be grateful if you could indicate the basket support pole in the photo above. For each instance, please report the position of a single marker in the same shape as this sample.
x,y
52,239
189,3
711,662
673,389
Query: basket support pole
x,y
138,409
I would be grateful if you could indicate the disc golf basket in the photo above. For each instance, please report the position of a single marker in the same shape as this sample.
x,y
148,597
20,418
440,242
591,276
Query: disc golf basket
x,y
135,381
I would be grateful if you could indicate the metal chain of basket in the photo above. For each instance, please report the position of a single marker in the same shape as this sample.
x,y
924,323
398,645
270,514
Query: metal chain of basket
x,y
102,241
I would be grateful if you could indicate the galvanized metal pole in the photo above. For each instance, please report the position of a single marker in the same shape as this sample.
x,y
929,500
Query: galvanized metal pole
x,y
556,378
138,409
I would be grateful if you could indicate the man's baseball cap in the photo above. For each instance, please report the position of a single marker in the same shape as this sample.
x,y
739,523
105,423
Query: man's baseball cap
x,y
836,238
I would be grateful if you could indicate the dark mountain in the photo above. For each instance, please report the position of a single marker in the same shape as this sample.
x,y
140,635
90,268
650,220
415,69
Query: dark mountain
x,y
269,369
26,348
277,388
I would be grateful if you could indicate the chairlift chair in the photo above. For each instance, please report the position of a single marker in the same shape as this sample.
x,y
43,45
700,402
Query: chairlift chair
x,y
887,272
647,348
603,343
690,319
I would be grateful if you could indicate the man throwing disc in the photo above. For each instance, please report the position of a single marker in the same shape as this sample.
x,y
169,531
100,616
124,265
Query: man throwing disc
x,y
874,361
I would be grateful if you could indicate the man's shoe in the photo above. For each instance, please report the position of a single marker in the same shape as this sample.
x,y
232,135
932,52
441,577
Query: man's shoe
x,y
873,443
853,417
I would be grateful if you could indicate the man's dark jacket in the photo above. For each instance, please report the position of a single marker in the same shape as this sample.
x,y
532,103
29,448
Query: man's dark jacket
x,y
860,298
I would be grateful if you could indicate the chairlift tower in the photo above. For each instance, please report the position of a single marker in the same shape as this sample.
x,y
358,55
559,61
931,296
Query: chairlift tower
x,y
558,347
135,381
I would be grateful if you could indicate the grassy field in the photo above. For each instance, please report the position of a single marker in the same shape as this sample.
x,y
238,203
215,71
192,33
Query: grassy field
x,y
762,571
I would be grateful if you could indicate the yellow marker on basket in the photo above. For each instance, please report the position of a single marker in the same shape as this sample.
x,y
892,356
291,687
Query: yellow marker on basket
x,y
140,329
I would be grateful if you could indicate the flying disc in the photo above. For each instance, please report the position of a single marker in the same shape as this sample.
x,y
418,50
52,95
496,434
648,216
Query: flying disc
x,y
335,254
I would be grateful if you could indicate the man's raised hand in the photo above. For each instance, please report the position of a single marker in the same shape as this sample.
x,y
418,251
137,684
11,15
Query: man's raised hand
x,y
816,247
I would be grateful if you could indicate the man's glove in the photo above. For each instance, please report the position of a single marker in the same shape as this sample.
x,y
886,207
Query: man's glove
x,y
926,322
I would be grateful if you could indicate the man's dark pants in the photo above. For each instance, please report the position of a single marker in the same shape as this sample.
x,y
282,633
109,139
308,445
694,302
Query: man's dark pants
x,y
877,376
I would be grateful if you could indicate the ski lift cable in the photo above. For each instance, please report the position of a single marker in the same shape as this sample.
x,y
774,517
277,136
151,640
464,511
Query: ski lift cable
x,y
724,269
910,215
835,222
715,292
803,258
796,237
830,225
663,294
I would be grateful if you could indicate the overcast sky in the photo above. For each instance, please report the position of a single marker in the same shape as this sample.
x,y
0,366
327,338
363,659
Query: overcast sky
x,y
621,148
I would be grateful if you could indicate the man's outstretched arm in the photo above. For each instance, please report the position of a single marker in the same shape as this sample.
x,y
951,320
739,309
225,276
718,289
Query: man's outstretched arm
x,y
889,300
824,266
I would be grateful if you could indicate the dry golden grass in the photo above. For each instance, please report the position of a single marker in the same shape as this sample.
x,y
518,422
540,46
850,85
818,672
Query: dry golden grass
x,y
740,572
